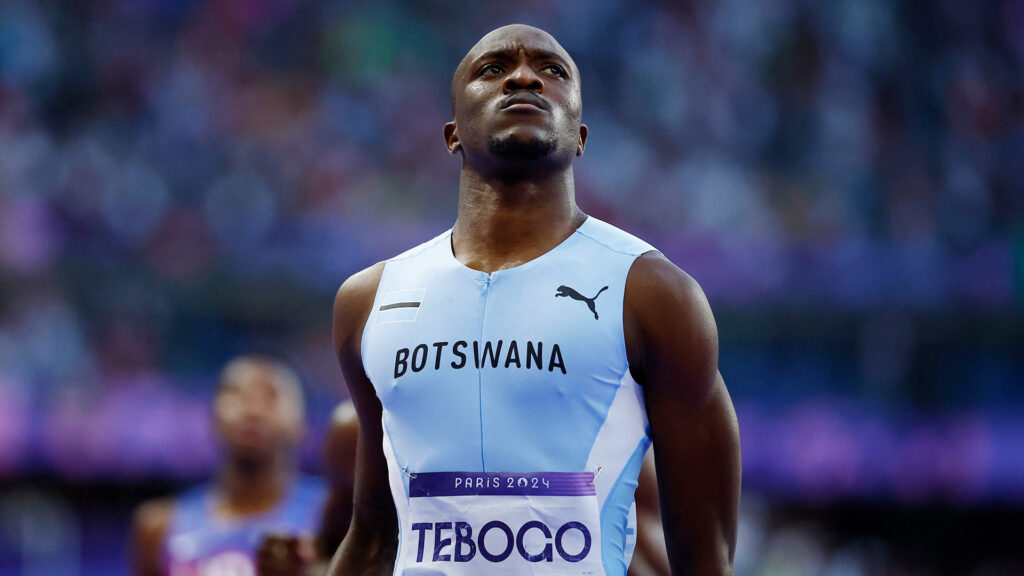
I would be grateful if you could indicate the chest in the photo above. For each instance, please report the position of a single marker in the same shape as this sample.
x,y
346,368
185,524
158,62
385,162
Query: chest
x,y
497,361
437,325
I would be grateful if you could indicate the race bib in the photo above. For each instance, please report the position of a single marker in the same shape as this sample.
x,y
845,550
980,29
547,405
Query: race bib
x,y
471,523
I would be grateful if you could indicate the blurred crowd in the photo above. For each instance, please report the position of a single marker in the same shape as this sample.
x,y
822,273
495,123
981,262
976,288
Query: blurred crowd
x,y
182,180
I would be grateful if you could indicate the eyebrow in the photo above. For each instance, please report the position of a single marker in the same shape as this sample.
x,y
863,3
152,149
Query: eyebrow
x,y
506,54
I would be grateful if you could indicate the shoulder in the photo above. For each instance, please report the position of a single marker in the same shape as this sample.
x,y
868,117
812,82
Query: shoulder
x,y
356,294
344,428
353,301
150,525
668,322
435,242
152,520
613,238
360,286
340,444
343,419
654,280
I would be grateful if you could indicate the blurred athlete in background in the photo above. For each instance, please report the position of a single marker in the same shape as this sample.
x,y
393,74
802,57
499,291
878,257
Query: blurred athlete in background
x,y
215,529
282,554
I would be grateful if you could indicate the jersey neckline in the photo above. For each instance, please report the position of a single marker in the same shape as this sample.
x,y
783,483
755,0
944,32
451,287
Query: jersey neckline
x,y
450,251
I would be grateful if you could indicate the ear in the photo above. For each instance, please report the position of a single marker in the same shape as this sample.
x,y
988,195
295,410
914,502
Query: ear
x,y
583,140
451,137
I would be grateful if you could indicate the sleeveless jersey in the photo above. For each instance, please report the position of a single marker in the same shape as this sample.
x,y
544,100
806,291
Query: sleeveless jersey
x,y
199,543
513,430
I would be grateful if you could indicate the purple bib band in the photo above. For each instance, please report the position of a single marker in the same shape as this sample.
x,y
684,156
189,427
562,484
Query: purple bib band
x,y
435,484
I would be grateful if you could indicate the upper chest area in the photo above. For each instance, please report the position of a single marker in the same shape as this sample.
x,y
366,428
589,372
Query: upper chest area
x,y
578,286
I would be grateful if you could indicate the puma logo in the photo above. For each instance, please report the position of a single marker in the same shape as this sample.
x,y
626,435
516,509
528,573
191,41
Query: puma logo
x,y
571,293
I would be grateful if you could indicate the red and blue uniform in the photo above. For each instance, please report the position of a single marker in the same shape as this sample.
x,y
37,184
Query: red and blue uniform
x,y
201,543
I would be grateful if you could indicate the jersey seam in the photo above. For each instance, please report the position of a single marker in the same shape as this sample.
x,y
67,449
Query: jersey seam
x,y
480,376
401,540
416,251
632,253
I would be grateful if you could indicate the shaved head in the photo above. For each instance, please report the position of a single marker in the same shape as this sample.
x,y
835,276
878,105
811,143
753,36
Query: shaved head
x,y
507,37
258,408
241,370
516,106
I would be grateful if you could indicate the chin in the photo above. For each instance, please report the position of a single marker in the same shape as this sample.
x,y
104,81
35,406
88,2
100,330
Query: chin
x,y
250,450
516,147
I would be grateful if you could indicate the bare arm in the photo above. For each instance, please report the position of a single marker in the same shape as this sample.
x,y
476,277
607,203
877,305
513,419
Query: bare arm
x,y
340,466
672,343
149,526
371,543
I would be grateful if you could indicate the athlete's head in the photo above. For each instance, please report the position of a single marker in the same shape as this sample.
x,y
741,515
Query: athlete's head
x,y
516,98
258,409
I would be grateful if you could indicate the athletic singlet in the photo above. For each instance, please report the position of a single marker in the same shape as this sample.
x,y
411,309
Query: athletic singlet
x,y
513,430
199,543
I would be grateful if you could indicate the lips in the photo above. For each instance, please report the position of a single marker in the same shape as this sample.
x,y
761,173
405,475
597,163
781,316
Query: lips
x,y
525,98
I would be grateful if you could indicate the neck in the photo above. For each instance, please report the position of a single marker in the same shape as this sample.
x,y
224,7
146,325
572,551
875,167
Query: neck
x,y
502,224
248,487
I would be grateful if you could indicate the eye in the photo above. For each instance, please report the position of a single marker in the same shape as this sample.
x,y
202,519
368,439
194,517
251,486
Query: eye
x,y
556,69
491,70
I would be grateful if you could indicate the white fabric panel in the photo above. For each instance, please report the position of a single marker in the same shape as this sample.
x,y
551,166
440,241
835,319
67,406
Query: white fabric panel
x,y
622,431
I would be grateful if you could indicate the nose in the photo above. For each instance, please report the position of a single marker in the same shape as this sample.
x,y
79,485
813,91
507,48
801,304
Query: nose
x,y
256,408
254,413
523,77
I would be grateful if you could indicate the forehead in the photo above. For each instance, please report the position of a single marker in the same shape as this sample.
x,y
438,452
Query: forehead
x,y
516,38
512,39
248,374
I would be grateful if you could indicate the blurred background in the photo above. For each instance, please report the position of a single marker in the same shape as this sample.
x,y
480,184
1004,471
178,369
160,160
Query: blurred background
x,y
183,180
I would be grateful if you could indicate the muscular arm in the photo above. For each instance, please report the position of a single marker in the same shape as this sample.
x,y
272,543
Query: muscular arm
x,y
672,342
149,526
371,543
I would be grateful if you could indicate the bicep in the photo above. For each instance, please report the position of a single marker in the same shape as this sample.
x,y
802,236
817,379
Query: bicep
x,y
698,457
373,512
673,345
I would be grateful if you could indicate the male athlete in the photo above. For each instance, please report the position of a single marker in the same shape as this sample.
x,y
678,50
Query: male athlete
x,y
514,414
214,530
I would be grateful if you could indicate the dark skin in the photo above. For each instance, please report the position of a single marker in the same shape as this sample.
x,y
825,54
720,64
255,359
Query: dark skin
x,y
649,559
258,416
513,208
340,464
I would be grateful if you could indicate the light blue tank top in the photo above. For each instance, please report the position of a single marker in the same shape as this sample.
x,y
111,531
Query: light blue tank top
x,y
513,430
200,543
